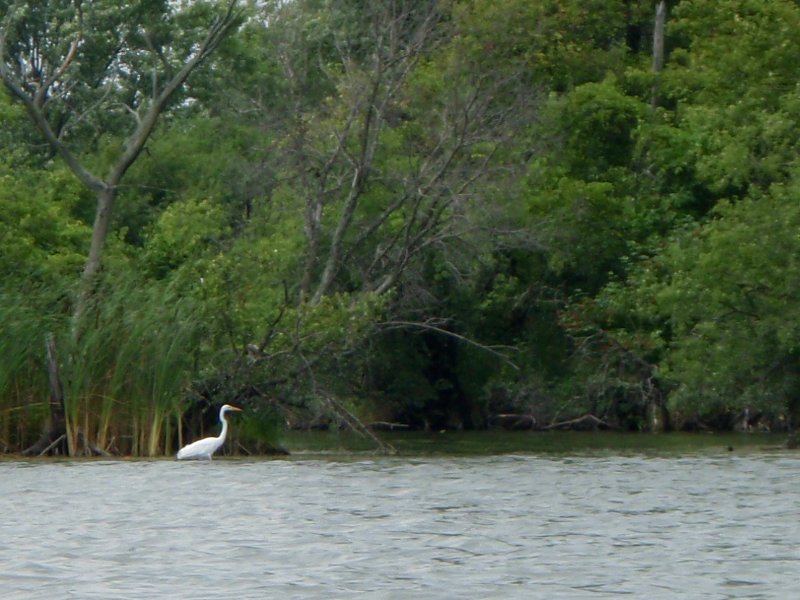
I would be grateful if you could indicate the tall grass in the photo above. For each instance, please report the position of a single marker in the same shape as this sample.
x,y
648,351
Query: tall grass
x,y
124,368
23,372
132,358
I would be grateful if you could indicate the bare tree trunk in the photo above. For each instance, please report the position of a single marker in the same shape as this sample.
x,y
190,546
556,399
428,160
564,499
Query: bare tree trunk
x,y
658,48
313,226
52,439
335,251
102,222
658,416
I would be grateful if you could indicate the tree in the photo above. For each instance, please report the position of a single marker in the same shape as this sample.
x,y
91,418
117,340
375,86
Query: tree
x,y
384,159
69,63
725,302
732,80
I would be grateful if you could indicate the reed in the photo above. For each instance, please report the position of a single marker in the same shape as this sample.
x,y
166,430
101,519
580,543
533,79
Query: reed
x,y
23,375
134,359
124,367
168,375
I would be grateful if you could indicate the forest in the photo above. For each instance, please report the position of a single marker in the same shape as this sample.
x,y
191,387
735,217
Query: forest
x,y
423,214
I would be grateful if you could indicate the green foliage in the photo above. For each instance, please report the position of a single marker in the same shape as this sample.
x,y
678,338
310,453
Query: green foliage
x,y
732,301
182,237
41,240
560,44
736,89
581,194
13,130
598,124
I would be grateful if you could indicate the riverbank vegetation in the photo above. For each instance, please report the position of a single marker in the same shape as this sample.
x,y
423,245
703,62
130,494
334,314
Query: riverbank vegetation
x,y
433,215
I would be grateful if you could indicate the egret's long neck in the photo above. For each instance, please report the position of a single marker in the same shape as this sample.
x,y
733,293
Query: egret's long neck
x,y
224,431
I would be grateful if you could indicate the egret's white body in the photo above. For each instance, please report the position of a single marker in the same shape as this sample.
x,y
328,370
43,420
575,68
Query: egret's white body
x,y
203,449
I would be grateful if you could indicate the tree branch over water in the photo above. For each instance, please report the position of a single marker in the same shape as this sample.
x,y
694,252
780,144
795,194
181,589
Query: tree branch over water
x,y
428,326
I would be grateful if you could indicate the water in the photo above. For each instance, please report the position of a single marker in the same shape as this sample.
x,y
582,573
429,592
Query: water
x,y
513,526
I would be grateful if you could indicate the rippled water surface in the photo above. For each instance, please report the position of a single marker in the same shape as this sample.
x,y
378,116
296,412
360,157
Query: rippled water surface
x,y
723,526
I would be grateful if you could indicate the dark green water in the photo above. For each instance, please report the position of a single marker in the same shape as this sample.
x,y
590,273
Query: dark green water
x,y
477,443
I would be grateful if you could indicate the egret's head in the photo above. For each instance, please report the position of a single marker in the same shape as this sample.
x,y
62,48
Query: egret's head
x,y
230,408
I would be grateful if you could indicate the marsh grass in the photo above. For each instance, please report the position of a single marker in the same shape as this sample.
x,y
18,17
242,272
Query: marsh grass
x,y
23,373
124,367
136,358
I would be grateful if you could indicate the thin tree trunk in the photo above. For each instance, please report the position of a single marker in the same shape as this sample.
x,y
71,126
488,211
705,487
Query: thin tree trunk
x,y
658,48
102,223
313,226
658,416
333,262
52,439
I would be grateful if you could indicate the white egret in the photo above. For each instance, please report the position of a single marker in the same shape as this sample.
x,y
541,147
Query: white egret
x,y
203,449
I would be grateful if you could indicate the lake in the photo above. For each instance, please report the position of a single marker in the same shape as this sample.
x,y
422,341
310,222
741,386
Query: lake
x,y
592,525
